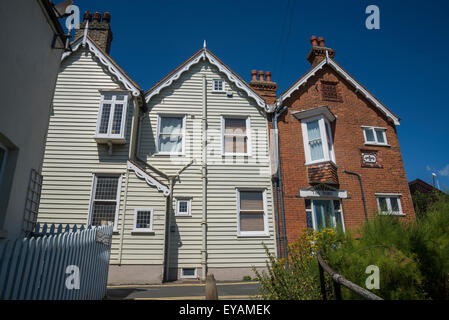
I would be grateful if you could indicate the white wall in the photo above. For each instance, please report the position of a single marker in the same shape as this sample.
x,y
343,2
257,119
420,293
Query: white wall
x,y
29,68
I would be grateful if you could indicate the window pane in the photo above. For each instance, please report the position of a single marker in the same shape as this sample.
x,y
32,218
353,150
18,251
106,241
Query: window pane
x,y
251,222
106,188
120,98
183,207
171,125
323,214
188,272
369,135
315,144
251,200
383,204
308,205
380,136
235,126
143,220
170,143
117,119
102,213
105,118
394,204
236,144
218,85
107,96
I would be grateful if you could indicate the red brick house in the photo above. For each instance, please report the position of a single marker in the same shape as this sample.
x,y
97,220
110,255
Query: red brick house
x,y
332,132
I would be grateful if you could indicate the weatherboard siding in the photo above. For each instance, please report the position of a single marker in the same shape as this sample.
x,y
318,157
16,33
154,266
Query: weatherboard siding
x,y
72,156
225,248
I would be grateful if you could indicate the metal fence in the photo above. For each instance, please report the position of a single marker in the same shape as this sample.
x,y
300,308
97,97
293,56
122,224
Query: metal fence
x,y
56,263
338,281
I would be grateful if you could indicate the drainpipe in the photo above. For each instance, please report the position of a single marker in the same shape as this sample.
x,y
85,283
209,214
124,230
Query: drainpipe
x,y
276,208
361,188
277,112
204,183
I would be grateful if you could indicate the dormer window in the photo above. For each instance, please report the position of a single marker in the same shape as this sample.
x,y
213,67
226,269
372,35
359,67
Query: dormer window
x,y
218,85
111,122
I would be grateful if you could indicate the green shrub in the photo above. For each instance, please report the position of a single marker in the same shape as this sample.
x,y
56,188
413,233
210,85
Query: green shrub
x,y
383,243
430,242
246,278
297,278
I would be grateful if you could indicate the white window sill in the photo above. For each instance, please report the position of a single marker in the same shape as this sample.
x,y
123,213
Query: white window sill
x,y
168,154
236,155
183,215
216,91
258,235
377,144
392,214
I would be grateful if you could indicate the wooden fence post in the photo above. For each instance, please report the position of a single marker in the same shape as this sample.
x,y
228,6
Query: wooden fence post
x,y
211,287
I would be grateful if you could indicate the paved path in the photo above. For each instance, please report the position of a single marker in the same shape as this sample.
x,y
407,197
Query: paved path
x,y
183,291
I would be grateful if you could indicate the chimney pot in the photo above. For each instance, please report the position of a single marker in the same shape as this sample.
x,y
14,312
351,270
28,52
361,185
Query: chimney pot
x,y
97,17
321,42
261,76
313,41
268,75
254,75
87,16
107,17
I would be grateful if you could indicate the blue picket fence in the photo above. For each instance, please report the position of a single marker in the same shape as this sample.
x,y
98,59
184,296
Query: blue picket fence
x,y
56,263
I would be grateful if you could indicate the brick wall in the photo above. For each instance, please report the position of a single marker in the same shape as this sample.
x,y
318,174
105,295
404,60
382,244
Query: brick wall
x,y
352,111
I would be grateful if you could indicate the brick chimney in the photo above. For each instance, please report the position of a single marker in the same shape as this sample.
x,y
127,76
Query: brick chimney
x,y
264,86
318,51
99,29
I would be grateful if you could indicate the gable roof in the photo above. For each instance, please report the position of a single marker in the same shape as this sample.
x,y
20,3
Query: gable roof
x,y
196,58
329,61
106,60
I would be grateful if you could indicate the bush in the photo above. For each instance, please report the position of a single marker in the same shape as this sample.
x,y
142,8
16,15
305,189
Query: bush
x,y
297,278
430,242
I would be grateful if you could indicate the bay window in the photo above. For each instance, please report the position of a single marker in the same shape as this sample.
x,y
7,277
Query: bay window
x,y
317,137
171,134
111,122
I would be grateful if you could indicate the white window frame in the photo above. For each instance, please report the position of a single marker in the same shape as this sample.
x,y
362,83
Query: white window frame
x,y
189,207
189,277
387,197
312,211
325,131
5,160
248,135
266,231
113,102
143,230
375,142
92,197
158,130
222,86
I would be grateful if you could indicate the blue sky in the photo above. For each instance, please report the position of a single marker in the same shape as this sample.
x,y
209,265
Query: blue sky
x,y
404,64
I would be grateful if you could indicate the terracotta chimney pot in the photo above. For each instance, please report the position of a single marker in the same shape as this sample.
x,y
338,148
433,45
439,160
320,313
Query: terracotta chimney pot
x,y
313,41
261,76
321,42
107,17
97,17
87,16
268,75
254,75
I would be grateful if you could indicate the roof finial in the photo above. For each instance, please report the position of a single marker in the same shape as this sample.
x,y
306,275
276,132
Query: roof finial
x,y
86,29
204,44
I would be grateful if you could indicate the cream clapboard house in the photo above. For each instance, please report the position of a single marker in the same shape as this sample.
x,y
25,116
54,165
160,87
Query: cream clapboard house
x,y
183,171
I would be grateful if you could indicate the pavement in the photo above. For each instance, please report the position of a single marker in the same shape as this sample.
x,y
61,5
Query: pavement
x,y
183,291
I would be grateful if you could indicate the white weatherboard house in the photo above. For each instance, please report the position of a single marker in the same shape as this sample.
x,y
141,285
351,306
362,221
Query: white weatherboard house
x,y
182,171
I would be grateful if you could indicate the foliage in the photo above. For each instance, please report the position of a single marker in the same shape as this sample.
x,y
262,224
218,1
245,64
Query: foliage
x,y
297,278
246,278
412,257
429,240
